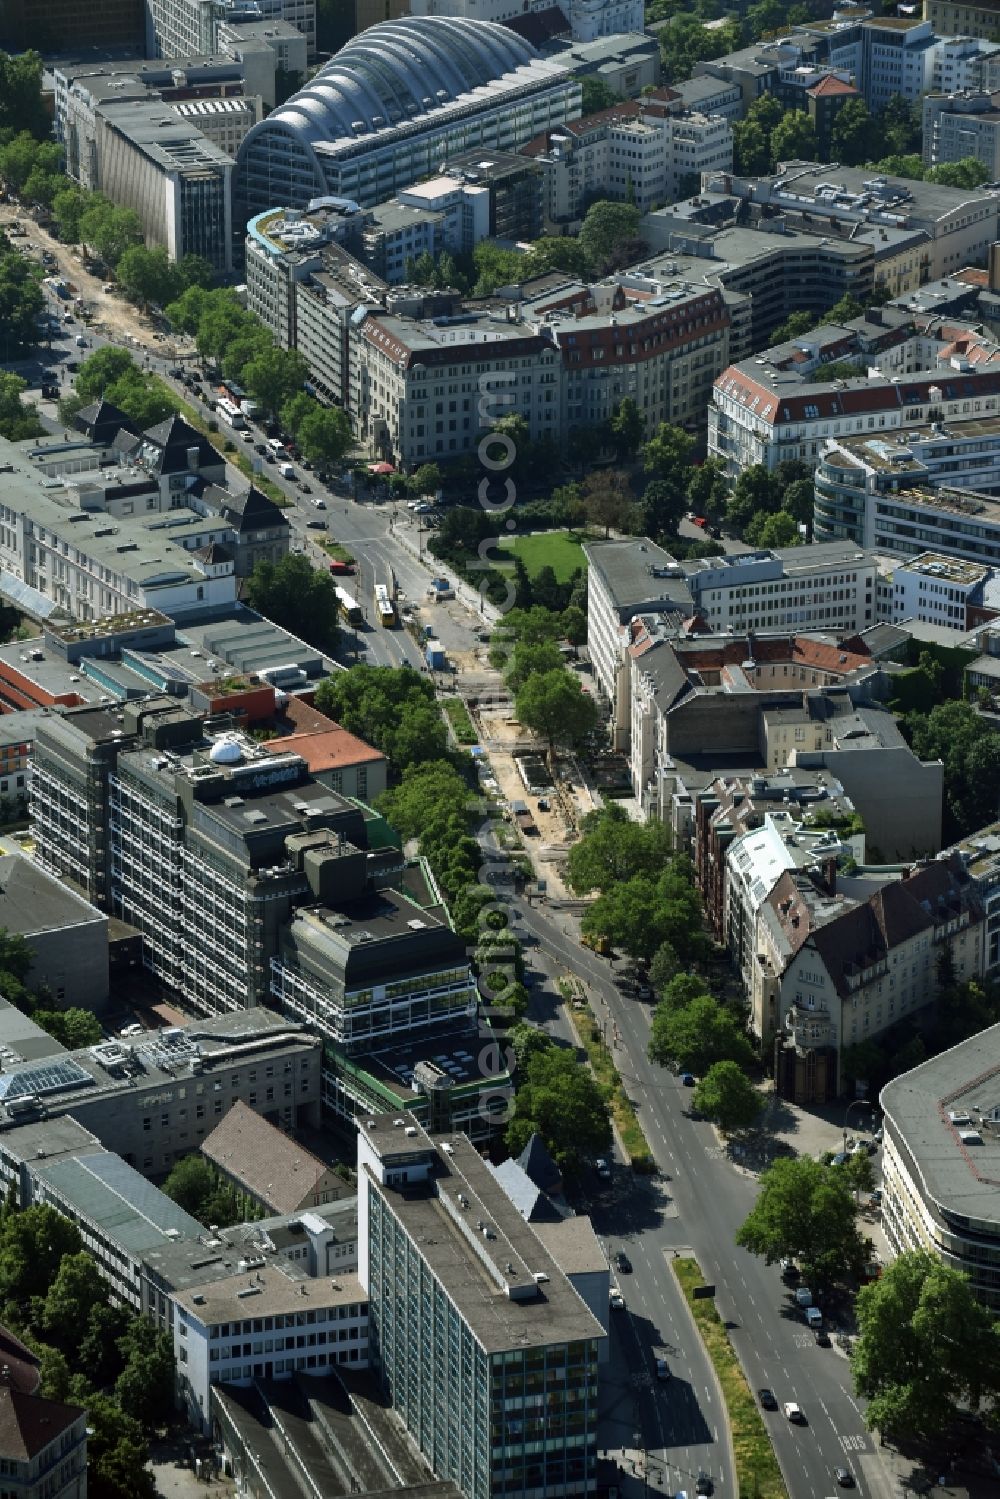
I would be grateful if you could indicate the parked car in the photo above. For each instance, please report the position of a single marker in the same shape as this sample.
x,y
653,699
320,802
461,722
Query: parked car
x,y
688,1079
617,1300
789,1269
603,1169
823,1338
875,1200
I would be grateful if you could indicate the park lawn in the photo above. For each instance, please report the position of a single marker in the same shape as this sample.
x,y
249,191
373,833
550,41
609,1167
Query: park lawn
x,y
560,550
757,1470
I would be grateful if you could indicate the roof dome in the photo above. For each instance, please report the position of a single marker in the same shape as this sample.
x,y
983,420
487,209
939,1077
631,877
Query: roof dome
x,y
401,69
225,752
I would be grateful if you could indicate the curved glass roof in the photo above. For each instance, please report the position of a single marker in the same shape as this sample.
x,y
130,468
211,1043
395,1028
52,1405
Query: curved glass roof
x,y
398,70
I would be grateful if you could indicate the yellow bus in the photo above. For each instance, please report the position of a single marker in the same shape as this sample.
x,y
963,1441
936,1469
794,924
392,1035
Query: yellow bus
x,y
385,609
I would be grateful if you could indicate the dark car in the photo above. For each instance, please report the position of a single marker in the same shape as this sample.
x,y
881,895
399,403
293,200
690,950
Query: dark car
x,y
688,1079
823,1338
622,1263
844,1477
768,1399
305,488
260,447
176,373
316,525
703,1483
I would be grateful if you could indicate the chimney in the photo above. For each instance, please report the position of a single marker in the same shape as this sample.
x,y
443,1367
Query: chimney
x,y
193,454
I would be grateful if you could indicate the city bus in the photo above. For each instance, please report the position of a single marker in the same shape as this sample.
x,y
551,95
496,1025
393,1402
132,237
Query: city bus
x,y
231,413
349,607
385,609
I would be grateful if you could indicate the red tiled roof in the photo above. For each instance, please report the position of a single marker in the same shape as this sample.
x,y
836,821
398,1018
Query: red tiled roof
x,y
21,1364
813,403
831,85
331,750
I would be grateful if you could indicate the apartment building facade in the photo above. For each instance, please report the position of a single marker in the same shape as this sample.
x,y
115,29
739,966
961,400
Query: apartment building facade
x,y
961,125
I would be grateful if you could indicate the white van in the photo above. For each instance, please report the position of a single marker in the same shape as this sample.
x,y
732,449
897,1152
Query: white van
x,y
814,1317
286,471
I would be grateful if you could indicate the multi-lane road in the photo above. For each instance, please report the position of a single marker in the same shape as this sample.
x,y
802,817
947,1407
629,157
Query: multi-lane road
x,y
698,1201
698,1198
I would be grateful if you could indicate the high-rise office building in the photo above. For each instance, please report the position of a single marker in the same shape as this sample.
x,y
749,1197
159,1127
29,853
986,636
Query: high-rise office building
x,y
486,1351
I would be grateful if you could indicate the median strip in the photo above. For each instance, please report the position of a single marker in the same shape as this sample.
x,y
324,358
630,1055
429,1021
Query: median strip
x,y
757,1471
588,1031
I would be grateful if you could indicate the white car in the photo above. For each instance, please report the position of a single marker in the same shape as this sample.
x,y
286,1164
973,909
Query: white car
x,y
617,1300
793,1412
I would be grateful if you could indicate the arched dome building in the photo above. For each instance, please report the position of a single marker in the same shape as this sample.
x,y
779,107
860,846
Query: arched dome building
x,y
395,104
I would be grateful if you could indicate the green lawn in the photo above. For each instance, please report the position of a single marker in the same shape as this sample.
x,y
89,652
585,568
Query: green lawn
x,y
560,550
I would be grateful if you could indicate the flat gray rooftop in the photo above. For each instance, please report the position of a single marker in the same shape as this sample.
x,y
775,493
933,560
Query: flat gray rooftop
x,y
552,1311
624,567
101,1189
958,1164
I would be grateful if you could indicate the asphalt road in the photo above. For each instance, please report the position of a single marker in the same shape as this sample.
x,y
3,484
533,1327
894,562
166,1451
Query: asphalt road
x,y
702,1206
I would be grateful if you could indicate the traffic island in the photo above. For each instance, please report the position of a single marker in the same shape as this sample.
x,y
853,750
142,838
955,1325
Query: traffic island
x,y
757,1471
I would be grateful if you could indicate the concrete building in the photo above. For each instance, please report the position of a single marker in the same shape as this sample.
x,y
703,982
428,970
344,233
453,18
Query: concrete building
x,y
172,175
938,1171
883,494
960,223
876,964
633,583
312,1326
963,17
43,1446
495,1294
155,1099
587,19
454,86
63,545
641,151
63,25
627,61
268,1168
264,49
188,28
939,589
67,936
387,985
214,94
957,126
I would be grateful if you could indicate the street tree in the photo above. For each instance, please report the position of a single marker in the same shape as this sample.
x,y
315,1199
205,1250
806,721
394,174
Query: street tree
x,y
33,1243
574,624
559,1099
17,420
806,1210
859,1172
298,597
521,627
695,1036
667,455
147,276
110,230
21,106
707,490
925,1347
102,369
663,966
554,705
727,1096
683,989
68,207
662,508
392,708
325,434
274,376
777,530
528,660
116,1452
612,848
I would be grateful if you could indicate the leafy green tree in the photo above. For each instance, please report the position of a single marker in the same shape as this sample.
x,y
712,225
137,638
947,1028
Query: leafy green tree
x,y
859,1172
574,624
707,489
605,229
392,708
425,480
694,1037
805,1210
925,1346
794,326
73,1027
272,378
843,311
21,303
596,94
751,148
32,1246
98,1351
433,802
559,1099
687,41
757,492
910,165
194,270
562,253
626,428
612,848
109,230
187,310
969,747
682,989
295,411
663,966
145,1388
854,135
116,1452
526,660
899,126
298,597
191,1182
68,207
554,705
969,172
103,368
496,266
608,499
222,324
76,1291
21,106
778,530
17,420
325,434
147,276
530,626
793,138
667,456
